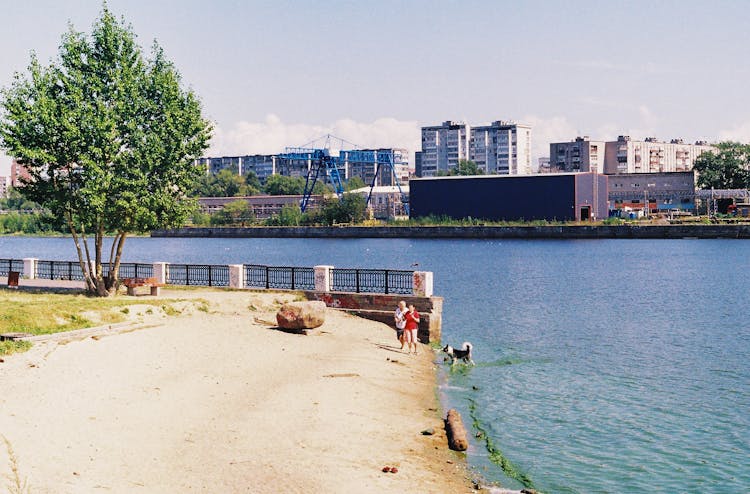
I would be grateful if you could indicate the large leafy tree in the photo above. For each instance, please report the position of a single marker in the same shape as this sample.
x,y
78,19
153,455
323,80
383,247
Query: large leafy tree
x,y
108,137
726,168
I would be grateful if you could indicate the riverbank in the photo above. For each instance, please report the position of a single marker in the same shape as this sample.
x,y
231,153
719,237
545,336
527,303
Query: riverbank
x,y
741,231
216,401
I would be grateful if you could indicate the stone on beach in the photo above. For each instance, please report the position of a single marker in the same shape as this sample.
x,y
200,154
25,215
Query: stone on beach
x,y
301,315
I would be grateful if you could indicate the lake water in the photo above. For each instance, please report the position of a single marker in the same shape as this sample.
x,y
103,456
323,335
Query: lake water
x,y
602,365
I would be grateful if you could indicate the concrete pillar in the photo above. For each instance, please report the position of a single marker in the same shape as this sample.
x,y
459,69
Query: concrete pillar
x,y
422,284
323,275
29,267
236,276
160,272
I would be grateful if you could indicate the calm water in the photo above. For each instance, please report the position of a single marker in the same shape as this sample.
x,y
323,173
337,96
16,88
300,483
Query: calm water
x,y
603,366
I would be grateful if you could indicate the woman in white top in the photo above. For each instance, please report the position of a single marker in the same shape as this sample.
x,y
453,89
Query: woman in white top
x,y
398,317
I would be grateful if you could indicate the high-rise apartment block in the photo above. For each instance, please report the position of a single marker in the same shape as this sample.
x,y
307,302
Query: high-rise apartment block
x,y
502,148
265,165
355,166
579,155
651,156
625,155
443,146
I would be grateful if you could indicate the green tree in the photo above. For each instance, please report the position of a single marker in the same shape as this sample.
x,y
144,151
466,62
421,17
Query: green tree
x,y
234,213
109,138
290,215
252,183
229,183
201,219
354,183
281,185
466,168
350,208
727,168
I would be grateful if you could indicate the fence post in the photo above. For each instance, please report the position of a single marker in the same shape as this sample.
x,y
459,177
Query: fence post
x,y
422,284
323,278
236,276
29,267
160,272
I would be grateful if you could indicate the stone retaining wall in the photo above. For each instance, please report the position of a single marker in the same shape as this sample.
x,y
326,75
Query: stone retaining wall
x,y
380,308
517,232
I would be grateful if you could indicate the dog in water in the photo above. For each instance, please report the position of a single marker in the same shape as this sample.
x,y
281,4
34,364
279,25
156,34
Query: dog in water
x,y
464,354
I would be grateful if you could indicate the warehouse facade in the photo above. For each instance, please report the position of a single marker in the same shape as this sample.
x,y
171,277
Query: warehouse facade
x,y
559,196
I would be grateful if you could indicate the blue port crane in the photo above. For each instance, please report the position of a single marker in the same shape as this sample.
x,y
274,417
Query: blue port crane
x,y
322,166
326,167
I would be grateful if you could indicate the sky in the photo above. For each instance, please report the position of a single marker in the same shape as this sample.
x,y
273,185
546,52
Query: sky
x,y
276,73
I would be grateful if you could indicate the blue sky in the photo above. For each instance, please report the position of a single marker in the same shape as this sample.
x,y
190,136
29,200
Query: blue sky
x,y
276,73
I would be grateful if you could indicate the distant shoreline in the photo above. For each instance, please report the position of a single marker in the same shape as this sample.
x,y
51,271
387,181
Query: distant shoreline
x,y
693,231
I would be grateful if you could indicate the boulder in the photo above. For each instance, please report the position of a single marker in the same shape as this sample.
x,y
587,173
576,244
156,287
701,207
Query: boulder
x,y
301,315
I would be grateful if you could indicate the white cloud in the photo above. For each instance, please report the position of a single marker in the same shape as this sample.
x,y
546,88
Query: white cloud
x,y
740,133
545,130
272,135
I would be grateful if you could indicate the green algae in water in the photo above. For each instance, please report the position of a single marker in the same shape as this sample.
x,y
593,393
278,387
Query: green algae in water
x,y
495,455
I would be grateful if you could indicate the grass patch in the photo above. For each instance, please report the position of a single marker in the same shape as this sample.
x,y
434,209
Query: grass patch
x,y
9,347
38,312
16,485
170,310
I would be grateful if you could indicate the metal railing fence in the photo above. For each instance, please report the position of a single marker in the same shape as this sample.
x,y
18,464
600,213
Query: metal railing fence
x,y
198,274
10,265
279,277
58,270
352,280
372,281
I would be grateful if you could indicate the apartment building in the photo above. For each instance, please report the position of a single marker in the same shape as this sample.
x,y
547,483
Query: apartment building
x,y
4,186
501,148
651,156
362,163
443,146
18,172
652,192
263,165
579,155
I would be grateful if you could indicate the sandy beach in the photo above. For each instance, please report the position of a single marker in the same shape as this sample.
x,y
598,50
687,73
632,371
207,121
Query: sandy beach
x,y
214,400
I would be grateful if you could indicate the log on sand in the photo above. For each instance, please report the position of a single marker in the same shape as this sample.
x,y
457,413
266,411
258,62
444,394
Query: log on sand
x,y
456,431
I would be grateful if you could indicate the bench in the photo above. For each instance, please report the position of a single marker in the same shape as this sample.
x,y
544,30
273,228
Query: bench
x,y
133,283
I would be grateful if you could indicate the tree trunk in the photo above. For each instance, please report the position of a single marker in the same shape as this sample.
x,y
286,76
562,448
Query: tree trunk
x,y
83,264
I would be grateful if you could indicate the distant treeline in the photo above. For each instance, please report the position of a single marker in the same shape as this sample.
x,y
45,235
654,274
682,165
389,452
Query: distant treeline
x,y
227,183
351,209
18,215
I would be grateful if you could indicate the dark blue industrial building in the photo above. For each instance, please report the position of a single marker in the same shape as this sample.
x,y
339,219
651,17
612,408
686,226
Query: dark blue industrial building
x,y
560,196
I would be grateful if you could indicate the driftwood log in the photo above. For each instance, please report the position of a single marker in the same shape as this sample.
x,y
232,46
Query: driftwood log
x,y
454,427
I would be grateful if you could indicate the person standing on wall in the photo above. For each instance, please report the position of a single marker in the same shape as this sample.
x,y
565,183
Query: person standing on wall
x,y
400,320
410,330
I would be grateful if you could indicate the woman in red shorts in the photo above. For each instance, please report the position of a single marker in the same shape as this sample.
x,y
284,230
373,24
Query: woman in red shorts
x,y
410,331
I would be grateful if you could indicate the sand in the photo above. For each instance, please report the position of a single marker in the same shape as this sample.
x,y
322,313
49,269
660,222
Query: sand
x,y
214,401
